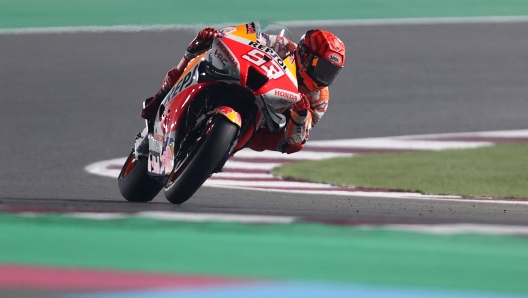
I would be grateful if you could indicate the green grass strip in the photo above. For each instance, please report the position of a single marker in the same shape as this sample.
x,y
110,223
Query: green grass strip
x,y
60,13
271,251
498,171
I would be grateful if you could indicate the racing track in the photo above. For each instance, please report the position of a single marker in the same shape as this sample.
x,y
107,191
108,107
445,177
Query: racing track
x,y
69,100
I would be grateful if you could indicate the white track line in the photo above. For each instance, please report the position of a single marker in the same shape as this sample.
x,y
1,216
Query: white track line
x,y
397,144
270,184
250,165
375,194
437,229
301,155
250,169
191,217
521,133
313,188
410,21
452,229
300,23
242,175
108,168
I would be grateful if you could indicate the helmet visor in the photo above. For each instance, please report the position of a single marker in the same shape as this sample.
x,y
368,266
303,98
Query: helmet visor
x,y
322,71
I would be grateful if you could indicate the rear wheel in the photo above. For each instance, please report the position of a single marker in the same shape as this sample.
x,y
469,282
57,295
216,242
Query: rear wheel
x,y
203,159
134,182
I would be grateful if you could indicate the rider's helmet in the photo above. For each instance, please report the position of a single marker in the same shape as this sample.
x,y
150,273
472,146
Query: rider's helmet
x,y
320,57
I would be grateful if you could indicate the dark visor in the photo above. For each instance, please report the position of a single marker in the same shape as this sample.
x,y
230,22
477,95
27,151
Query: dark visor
x,y
323,72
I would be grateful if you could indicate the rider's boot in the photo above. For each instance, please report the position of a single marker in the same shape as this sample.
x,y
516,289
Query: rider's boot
x,y
151,104
265,140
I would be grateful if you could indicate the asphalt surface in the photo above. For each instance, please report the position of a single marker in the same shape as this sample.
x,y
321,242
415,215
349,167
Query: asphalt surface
x,y
68,100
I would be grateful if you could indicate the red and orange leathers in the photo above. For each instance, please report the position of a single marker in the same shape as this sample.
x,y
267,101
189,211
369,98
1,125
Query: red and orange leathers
x,y
299,124
296,132
319,98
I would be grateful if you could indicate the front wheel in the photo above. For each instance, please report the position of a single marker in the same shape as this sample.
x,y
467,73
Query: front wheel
x,y
134,182
203,159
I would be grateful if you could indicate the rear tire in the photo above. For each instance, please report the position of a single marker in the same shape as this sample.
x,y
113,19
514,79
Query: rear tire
x,y
134,182
202,161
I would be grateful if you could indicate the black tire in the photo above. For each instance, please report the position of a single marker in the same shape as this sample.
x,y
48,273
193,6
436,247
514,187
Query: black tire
x,y
202,161
134,182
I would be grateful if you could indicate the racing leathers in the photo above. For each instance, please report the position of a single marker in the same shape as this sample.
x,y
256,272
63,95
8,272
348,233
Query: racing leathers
x,y
301,117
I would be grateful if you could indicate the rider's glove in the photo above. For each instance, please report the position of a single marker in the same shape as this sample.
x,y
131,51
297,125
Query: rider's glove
x,y
301,105
297,128
202,42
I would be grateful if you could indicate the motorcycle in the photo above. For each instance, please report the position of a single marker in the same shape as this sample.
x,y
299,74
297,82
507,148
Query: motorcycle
x,y
222,98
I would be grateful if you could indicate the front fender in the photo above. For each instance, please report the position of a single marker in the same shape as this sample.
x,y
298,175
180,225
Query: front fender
x,y
229,113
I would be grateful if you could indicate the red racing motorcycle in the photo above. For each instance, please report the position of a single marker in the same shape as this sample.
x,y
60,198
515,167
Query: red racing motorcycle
x,y
222,98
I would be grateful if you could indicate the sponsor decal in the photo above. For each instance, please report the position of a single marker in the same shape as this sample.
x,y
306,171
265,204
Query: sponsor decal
x,y
227,30
184,82
230,114
162,163
334,58
167,144
268,51
157,137
259,58
154,163
166,157
287,94
220,57
227,53
250,28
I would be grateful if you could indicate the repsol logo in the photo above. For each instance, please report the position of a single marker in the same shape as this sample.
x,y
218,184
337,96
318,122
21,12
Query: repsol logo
x,y
227,53
268,51
286,94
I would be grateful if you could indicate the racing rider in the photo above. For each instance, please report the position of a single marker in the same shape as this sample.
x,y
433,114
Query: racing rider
x,y
320,56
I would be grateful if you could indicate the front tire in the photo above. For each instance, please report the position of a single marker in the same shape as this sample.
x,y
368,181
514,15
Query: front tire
x,y
203,159
134,182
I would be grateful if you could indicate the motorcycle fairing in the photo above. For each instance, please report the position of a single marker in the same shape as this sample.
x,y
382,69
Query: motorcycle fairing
x,y
281,85
161,141
229,113
236,58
